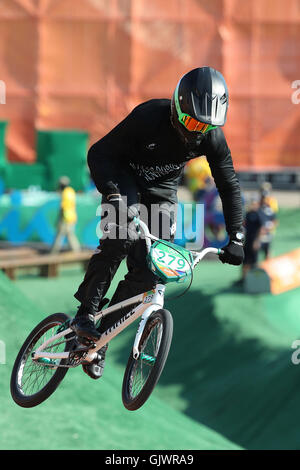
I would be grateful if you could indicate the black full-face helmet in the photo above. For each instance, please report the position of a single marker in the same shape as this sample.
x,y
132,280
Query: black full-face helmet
x,y
199,104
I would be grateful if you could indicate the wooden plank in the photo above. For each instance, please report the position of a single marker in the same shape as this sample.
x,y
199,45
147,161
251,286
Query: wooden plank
x,y
48,264
16,253
40,260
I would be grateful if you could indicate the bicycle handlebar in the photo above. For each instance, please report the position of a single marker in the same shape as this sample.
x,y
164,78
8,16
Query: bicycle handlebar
x,y
142,226
198,255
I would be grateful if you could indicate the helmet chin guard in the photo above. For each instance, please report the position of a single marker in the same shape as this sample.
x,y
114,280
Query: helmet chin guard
x,y
190,139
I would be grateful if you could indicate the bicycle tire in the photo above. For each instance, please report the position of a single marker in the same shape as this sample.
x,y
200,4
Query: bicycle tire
x,y
132,401
17,393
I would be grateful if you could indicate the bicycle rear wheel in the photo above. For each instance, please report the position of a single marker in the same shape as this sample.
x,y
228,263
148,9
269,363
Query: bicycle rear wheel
x,y
142,374
32,382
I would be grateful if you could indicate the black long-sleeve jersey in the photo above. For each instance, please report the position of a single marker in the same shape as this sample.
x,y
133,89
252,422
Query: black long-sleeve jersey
x,y
147,145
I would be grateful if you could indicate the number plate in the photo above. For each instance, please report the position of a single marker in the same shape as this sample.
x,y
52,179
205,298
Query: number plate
x,y
170,262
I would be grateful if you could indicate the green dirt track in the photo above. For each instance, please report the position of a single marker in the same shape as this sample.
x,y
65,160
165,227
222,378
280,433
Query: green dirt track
x,y
229,382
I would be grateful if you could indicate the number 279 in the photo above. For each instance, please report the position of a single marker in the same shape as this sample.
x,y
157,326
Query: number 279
x,y
161,258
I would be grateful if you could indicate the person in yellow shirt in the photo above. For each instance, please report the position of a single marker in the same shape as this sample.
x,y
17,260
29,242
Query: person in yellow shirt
x,y
198,175
67,217
271,201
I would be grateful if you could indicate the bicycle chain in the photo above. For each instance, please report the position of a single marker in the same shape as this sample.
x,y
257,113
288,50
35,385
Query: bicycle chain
x,y
75,357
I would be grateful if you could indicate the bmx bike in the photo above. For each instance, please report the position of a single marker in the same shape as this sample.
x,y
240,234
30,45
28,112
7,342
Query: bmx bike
x,y
52,348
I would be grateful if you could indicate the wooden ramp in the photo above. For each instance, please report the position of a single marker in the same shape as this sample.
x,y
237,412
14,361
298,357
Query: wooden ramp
x,y
47,264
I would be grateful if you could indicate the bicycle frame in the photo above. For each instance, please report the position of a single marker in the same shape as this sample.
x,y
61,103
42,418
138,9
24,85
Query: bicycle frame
x,y
148,302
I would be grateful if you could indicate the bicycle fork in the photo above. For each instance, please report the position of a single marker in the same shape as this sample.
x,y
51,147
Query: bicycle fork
x,y
156,300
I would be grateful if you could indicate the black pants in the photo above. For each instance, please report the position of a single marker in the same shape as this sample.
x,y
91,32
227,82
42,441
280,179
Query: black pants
x,y
111,251
265,247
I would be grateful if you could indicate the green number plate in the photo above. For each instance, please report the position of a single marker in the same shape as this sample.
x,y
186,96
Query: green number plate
x,y
169,261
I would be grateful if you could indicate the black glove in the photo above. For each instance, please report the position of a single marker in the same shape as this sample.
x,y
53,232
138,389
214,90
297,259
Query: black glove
x,y
234,251
123,212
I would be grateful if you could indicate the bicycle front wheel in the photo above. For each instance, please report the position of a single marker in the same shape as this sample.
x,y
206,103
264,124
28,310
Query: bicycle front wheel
x,y
32,382
142,374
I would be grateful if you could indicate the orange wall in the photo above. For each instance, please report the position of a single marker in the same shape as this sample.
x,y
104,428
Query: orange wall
x,y
85,64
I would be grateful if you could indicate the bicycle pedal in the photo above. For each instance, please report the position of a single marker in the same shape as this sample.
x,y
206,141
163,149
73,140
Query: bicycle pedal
x,y
86,342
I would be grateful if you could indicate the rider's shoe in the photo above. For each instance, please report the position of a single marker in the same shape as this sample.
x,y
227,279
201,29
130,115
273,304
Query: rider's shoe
x,y
84,326
95,368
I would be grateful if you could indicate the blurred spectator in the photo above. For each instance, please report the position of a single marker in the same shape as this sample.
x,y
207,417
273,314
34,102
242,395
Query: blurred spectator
x,y
265,190
67,217
253,228
260,224
202,186
269,222
213,216
198,177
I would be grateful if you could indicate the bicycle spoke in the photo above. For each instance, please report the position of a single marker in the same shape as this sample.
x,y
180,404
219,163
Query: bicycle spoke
x,y
143,372
35,375
142,368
